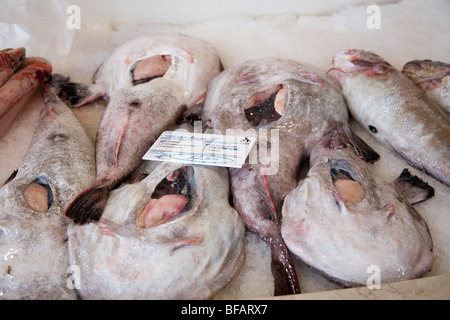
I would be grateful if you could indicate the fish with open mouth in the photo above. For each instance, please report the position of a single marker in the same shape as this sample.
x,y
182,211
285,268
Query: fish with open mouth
x,y
10,61
33,238
20,86
342,218
171,235
433,77
395,111
149,82
295,106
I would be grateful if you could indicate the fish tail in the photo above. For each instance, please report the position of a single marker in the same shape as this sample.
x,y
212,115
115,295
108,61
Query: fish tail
x,y
75,93
413,188
283,269
88,206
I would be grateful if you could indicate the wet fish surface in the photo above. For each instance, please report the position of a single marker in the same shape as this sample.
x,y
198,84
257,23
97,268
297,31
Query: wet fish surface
x,y
395,111
296,107
10,61
19,88
150,81
433,77
342,218
171,235
33,238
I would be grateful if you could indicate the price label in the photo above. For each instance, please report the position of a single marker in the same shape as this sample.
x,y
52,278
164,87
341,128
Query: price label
x,y
198,148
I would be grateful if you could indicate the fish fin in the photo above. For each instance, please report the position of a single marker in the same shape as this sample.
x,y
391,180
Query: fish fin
x,y
88,206
412,188
191,115
283,269
75,93
350,139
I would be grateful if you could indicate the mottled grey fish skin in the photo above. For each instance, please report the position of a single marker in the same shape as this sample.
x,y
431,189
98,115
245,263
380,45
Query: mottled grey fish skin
x,y
311,110
396,112
340,237
34,244
433,78
137,114
192,256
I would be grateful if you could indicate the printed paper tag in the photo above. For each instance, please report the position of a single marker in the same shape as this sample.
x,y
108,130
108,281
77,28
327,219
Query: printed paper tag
x,y
198,148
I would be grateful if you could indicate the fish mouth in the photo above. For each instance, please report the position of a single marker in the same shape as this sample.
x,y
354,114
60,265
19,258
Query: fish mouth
x,y
172,198
346,181
267,106
150,68
38,194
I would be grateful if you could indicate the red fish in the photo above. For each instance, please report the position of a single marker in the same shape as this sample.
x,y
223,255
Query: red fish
x,y
10,61
19,88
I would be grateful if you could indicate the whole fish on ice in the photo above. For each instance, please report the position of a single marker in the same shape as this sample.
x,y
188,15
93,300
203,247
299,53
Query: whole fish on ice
x,y
433,77
10,61
396,112
19,88
149,82
287,98
342,218
58,165
172,235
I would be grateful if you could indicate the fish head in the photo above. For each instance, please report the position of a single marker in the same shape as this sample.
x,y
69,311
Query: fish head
x,y
184,62
171,235
351,62
342,218
425,73
133,120
14,57
32,241
156,94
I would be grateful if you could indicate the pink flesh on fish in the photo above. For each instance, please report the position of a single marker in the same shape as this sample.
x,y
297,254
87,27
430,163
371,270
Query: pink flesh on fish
x,y
159,211
10,61
191,253
17,90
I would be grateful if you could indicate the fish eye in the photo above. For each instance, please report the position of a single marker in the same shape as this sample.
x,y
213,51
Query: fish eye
x,y
135,103
373,129
58,137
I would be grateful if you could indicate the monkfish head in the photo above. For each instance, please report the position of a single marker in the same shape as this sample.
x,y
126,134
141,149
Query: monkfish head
x,y
342,218
173,235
